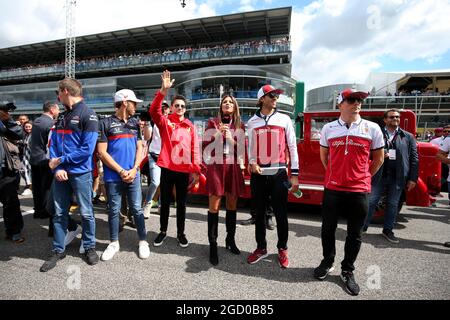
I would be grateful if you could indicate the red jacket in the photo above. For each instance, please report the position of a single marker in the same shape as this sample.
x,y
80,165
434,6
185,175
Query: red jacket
x,y
179,145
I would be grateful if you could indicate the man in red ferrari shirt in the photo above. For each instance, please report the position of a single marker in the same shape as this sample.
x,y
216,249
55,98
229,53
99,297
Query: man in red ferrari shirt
x,y
178,158
346,145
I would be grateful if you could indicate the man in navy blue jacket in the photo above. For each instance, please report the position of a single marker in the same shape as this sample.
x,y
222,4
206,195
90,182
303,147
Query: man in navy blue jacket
x,y
71,151
400,170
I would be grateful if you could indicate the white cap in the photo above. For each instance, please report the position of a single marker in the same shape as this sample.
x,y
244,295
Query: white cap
x,y
126,95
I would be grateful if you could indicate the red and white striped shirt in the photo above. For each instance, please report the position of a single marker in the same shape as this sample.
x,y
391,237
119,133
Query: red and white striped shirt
x,y
349,153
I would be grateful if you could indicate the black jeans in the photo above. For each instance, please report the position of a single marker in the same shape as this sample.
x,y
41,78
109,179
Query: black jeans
x,y
353,206
180,180
42,178
9,184
276,188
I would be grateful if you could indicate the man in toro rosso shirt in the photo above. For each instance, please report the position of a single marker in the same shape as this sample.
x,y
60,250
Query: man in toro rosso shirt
x,y
71,150
270,134
346,146
120,148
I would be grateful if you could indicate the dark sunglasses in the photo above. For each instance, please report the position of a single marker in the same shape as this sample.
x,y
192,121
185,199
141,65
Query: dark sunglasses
x,y
179,106
273,95
446,131
353,100
394,117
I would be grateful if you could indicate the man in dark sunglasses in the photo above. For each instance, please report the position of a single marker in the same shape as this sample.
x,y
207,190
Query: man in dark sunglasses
x,y
400,170
345,148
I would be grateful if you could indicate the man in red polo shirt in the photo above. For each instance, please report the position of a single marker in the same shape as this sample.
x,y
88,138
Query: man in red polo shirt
x,y
346,145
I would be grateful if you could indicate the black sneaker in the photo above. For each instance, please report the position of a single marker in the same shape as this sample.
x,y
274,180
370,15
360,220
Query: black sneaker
x,y
389,235
91,256
51,262
447,244
269,223
322,271
159,239
350,285
182,240
249,221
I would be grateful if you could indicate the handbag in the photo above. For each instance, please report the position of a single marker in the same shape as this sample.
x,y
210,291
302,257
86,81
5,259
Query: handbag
x,y
12,157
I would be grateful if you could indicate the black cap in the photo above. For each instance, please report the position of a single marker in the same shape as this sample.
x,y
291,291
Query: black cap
x,y
7,106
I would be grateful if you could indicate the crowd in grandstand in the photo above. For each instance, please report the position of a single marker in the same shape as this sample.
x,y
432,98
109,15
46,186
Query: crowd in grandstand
x,y
157,57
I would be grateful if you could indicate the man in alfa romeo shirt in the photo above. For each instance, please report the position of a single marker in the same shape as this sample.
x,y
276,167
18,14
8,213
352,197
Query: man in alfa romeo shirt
x,y
346,145
270,134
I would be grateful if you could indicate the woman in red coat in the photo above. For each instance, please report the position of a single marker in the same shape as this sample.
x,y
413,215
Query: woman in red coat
x,y
224,151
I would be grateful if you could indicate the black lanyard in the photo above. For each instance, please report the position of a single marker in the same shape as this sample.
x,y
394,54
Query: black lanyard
x,y
390,143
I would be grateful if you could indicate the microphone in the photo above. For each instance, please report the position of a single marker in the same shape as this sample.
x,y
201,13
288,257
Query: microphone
x,y
226,119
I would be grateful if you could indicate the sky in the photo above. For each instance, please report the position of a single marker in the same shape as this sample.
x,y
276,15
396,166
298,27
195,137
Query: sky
x,y
333,41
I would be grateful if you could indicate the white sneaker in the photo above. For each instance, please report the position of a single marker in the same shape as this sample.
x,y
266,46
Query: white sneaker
x,y
144,249
147,208
27,192
81,251
72,235
110,251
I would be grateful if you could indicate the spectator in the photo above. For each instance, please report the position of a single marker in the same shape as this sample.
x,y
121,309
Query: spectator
x,y
25,172
400,169
10,164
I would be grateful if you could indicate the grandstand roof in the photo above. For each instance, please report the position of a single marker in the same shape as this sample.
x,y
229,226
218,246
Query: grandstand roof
x,y
219,29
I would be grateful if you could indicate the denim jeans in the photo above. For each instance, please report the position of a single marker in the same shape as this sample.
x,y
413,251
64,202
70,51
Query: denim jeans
x,y
114,192
155,177
81,186
393,194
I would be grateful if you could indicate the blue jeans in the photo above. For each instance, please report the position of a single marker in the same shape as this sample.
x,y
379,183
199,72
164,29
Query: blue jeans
x,y
114,192
155,177
81,186
393,194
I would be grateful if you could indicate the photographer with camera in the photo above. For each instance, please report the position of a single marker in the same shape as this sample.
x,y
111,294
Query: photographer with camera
x,y
10,133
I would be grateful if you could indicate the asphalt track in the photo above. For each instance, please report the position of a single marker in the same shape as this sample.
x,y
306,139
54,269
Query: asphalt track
x,y
416,268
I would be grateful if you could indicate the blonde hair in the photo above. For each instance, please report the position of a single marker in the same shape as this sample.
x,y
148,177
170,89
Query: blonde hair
x,y
235,116
73,86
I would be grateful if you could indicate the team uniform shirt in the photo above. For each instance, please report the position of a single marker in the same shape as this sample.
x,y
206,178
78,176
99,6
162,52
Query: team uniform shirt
x,y
179,145
439,141
445,147
74,139
122,141
268,139
349,152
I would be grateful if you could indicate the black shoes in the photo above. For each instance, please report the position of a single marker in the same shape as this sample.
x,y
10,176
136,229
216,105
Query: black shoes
x,y
350,285
91,256
447,244
51,262
389,235
213,257
159,239
322,271
182,240
230,244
